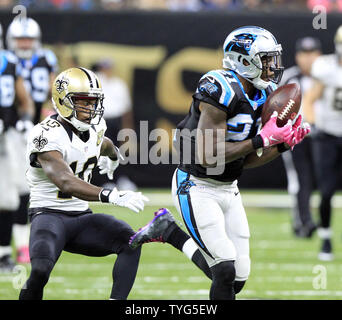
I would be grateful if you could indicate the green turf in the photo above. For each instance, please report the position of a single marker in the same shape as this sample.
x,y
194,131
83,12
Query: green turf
x,y
283,267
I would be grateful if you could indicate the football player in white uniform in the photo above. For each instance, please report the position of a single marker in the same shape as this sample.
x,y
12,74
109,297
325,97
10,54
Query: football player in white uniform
x,y
62,151
225,113
38,66
16,112
327,143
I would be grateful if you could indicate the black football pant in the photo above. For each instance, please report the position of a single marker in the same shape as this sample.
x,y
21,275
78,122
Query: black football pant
x,y
88,234
328,167
300,172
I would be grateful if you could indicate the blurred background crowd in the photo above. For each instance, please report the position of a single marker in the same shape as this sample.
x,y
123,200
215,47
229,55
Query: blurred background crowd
x,y
176,5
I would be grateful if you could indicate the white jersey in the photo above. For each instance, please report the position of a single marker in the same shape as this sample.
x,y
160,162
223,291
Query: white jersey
x,y
81,156
328,112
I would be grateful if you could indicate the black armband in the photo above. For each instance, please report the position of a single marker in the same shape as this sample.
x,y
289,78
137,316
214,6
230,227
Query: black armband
x,y
257,142
281,147
104,195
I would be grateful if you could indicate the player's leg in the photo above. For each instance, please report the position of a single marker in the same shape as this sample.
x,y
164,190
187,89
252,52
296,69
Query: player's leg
x,y
20,219
21,230
302,157
299,171
101,235
9,202
238,231
326,161
202,213
163,228
47,239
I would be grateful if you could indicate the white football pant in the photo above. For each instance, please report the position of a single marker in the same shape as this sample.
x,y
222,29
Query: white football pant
x,y
215,218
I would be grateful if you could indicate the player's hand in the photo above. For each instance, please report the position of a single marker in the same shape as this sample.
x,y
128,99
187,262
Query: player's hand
x,y
299,131
107,166
271,134
128,199
24,126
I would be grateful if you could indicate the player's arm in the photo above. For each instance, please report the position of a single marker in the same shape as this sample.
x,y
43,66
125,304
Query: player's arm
x,y
211,133
309,98
109,149
252,160
110,158
59,172
26,106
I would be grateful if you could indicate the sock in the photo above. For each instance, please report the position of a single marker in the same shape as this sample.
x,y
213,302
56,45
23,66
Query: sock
x,y
177,237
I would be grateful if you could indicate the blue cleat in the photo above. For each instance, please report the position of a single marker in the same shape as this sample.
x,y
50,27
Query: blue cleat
x,y
156,230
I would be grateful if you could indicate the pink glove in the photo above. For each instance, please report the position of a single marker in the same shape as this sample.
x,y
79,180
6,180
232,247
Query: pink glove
x,y
271,134
299,132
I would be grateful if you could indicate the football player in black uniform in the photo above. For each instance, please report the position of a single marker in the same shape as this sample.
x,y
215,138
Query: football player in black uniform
x,y
11,88
299,163
39,65
219,138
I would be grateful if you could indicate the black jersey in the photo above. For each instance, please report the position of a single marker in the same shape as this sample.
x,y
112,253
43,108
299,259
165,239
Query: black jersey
x,y
221,89
9,71
36,73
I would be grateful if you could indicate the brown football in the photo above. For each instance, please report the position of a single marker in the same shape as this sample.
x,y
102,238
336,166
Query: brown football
x,y
286,101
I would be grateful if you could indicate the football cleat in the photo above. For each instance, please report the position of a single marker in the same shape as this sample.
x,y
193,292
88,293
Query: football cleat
x,y
23,255
326,251
6,264
156,230
305,231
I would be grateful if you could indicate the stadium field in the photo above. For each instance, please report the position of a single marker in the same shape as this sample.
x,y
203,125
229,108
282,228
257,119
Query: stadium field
x,y
283,267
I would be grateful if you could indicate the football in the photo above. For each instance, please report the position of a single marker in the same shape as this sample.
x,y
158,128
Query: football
x,y
286,101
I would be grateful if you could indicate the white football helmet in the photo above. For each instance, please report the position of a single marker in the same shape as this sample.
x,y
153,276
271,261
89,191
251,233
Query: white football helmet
x,y
338,41
252,52
23,29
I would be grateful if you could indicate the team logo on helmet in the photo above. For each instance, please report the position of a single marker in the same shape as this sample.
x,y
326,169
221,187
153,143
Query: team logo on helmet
x,y
61,84
40,142
241,43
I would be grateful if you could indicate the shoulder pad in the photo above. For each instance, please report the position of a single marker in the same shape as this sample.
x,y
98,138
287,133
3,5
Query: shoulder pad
x,y
11,57
216,84
48,135
50,57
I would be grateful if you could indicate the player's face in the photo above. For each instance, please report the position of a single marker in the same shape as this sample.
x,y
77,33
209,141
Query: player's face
x,y
85,109
271,68
305,59
24,43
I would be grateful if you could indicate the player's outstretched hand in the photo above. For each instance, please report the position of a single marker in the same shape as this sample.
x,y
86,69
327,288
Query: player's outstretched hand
x,y
271,134
128,199
299,131
107,166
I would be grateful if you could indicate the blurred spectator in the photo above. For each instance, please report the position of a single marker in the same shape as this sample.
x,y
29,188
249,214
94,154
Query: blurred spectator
x,y
185,5
150,4
221,4
85,5
330,5
37,4
113,4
